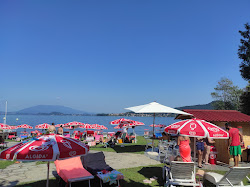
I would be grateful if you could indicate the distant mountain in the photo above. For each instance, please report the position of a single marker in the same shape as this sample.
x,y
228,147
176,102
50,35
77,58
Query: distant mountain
x,y
48,109
208,106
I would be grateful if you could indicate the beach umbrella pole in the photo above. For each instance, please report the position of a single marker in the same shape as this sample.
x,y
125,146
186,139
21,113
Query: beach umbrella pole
x,y
194,149
47,185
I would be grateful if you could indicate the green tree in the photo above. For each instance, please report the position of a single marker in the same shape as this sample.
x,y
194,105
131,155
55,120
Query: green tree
x,y
244,55
226,95
244,52
245,100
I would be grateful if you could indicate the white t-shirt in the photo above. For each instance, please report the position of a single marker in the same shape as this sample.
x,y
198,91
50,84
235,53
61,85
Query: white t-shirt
x,y
124,130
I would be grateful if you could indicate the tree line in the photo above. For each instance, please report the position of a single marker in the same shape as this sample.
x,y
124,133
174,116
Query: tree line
x,y
229,96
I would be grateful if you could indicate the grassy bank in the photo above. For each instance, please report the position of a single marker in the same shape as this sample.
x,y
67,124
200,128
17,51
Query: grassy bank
x,y
137,148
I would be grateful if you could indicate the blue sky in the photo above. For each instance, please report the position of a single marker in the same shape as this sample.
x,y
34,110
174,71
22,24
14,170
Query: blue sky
x,y
103,56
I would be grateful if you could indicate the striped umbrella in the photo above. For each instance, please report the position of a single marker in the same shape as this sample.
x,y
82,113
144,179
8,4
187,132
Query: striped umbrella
x,y
43,126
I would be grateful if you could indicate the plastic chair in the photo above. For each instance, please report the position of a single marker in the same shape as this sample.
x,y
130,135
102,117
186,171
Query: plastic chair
x,y
233,177
181,174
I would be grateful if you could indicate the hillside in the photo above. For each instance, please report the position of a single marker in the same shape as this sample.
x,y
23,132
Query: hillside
x,y
208,106
46,109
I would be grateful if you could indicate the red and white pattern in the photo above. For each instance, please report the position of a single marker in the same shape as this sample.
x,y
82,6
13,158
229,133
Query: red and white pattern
x,y
158,125
24,126
103,127
121,121
197,128
74,123
4,126
59,125
43,126
13,127
130,125
69,127
45,148
96,126
86,126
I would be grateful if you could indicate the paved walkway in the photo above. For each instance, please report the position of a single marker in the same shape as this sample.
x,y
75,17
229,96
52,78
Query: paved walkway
x,y
29,171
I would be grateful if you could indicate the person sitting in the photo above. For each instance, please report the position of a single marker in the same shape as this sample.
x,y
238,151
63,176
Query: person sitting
x,y
178,158
60,130
1,139
165,137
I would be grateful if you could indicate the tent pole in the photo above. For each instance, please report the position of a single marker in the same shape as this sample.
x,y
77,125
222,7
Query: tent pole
x,y
47,185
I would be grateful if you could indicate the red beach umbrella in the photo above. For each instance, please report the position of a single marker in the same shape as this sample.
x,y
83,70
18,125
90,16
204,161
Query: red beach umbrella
x,y
96,126
197,128
4,126
86,126
24,126
103,127
121,121
73,124
13,127
43,126
45,148
130,125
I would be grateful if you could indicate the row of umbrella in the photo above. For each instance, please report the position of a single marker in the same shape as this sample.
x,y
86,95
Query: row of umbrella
x,y
69,125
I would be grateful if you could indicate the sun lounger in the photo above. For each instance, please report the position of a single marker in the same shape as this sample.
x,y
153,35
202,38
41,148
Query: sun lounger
x,y
181,174
233,177
95,164
72,170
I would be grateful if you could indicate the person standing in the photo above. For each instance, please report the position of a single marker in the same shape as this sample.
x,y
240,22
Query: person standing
x,y
52,128
184,148
208,143
200,149
235,139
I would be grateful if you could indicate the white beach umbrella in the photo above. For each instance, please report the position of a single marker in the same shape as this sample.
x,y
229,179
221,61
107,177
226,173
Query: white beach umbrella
x,y
155,108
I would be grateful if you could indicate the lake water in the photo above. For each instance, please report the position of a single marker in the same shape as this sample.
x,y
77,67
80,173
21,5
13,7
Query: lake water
x,y
34,120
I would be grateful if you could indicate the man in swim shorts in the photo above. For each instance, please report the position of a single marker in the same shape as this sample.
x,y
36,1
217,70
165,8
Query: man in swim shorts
x,y
235,138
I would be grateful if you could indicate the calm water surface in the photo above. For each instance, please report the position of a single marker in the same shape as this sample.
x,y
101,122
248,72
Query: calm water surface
x,y
34,120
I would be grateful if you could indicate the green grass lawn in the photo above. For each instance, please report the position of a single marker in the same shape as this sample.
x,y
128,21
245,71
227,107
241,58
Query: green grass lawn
x,y
137,148
133,177
5,163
